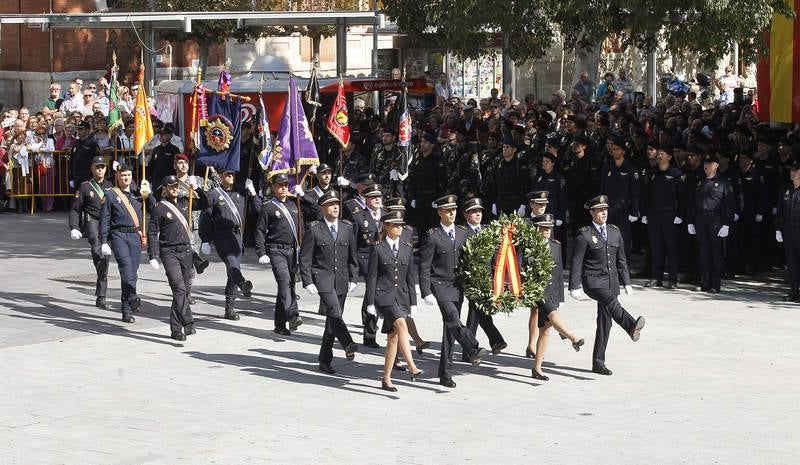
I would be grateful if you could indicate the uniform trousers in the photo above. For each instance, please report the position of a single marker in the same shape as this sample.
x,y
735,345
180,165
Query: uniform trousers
x,y
229,248
477,317
663,245
710,246
100,261
127,248
791,246
608,309
453,330
335,327
177,261
284,269
748,238
368,322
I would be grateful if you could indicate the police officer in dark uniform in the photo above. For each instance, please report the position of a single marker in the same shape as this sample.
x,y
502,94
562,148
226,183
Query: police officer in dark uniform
x,y
753,209
581,173
84,218
510,181
427,180
619,180
170,238
358,203
82,154
711,208
366,226
309,200
328,267
473,216
788,230
120,234
687,243
598,264
439,256
662,209
277,243
222,224
162,162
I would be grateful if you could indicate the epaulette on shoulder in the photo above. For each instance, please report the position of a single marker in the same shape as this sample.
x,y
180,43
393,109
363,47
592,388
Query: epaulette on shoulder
x,y
461,226
313,224
347,222
408,243
431,231
613,226
584,229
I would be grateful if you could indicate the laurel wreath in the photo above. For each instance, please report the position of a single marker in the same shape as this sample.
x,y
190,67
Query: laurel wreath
x,y
476,267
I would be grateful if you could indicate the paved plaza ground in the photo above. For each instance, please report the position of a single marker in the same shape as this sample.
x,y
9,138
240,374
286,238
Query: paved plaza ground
x,y
713,380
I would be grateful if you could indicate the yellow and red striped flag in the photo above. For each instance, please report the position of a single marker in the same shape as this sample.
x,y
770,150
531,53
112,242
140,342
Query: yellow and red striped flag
x,y
142,124
779,73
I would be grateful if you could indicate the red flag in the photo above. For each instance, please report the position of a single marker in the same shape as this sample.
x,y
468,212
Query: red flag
x,y
338,121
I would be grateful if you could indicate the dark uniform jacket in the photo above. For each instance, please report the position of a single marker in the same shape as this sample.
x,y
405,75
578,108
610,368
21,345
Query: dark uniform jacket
x,y
327,263
751,195
554,292
788,216
599,264
165,229
366,230
86,205
621,185
114,215
353,206
273,226
712,200
391,280
162,163
664,193
554,184
82,153
438,259
220,216
310,207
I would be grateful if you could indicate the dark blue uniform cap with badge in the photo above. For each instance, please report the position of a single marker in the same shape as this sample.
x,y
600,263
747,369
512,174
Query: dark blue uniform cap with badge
x,y
581,139
509,140
795,166
550,156
372,190
83,125
123,167
367,178
446,201
538,196
711,158
98,161
600,201
547,220
617,139
395,204
323,167
170,180
395,217
553,142
473,204
429,137
280,178
329,197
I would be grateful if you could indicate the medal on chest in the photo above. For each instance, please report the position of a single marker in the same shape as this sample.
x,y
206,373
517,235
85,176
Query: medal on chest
x,y
169,215
277,214
594,239
91,194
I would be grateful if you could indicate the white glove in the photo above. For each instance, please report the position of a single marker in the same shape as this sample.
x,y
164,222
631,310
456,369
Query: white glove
x,y
342,181
723,231
154,264
298,191
351,287
521,210
248,185
75,234
145,188
691,229
644,220
393,175
412,311
312,289
115,165
371,310
632,218
72,184
264,260
629,289
559,222
312,169
494,209
429,300
192,181
677,220
413,203
759,217
778,236
577,294
774,211
205,248
735,217
105,249
417,290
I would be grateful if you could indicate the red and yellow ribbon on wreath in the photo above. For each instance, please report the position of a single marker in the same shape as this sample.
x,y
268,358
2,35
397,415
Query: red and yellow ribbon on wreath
x,y
506,265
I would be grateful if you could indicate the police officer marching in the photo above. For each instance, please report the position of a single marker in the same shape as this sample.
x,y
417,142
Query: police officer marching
x,y
328,268
598,264
357,203
366,224
277,242
170,238
84,218
120,234
222,224
309,200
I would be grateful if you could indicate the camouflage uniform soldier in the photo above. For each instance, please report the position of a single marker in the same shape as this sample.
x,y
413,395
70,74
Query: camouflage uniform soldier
x,y
384,162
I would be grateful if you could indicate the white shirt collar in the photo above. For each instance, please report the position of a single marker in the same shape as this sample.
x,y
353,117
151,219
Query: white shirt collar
x,y
598,226
474,226
447,230
335,224
393,243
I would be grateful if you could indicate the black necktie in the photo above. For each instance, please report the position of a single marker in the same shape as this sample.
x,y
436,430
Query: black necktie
x,y
452,236
603,233
394,250
333,232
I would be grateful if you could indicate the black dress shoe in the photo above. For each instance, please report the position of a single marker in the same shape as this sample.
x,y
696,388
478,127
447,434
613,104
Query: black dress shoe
x,y
386,387
135,304
475,358
713,290
178,336
247,288
672,285
447,382
653,283
791,297
326,368
189,330
601,370
282,331
350,351
101,303
637,329
128,318
200,266
536,375
497,348
231,315
423,346
531,354
295,322
371,344
577,345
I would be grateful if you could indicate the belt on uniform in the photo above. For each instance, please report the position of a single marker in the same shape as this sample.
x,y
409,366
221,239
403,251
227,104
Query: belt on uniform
x,y
280,246
125,229
177,247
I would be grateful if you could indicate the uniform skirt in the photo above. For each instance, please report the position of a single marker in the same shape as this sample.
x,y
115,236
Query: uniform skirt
x,y
390,314
545,308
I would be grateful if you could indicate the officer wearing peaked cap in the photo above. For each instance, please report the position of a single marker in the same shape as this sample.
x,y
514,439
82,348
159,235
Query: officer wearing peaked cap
x,y
358,203
619,180
367,225
309,199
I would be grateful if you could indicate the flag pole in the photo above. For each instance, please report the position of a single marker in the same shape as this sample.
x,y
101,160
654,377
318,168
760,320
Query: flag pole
x,y
195,127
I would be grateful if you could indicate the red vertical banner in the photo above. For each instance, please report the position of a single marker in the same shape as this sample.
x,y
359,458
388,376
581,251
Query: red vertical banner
x,y
338,123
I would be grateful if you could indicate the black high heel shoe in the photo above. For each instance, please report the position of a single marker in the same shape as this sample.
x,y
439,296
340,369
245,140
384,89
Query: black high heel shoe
x,y
413,376
529,353
577,345
386,387
536,375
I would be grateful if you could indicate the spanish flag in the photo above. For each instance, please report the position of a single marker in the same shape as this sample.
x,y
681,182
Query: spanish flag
x,y
142,124
779,73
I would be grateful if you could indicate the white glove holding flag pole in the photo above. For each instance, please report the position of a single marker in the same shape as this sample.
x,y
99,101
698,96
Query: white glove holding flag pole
x,y
413,203
691,229
430,300
312,289
577,294
115,165
298,191
779,236
644,220
494,209
342,181
759,218
677,220
521,210
248,185
629,289
72,184
264,260
312,169
632,218
412,311
205,248
154,264
351,287
371,310
75,234
393,175
723,231
105,249
735,217
145,189
192,181
559,222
